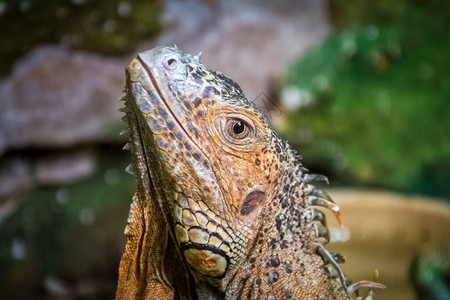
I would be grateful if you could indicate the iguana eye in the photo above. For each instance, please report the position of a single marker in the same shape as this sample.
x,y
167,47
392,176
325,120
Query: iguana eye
x,y
238,129
237,132
170,62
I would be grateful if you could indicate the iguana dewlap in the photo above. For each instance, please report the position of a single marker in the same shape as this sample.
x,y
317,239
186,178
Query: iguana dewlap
x,y
223,208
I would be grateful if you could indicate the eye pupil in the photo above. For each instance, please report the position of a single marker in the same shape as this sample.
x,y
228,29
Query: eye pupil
x,y
237,130
238,127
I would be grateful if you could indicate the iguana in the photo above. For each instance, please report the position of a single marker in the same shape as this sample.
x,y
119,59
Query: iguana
x,y
223,208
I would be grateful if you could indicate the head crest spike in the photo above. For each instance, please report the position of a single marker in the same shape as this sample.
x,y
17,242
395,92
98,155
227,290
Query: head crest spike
x,y
198,56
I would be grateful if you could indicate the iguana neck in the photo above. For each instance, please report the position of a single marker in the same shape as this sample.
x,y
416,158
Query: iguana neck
x,y
282,262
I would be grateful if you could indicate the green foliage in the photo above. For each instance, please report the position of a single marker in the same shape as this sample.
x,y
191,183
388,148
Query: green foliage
x,y
430,274
108,26
357,12
379,113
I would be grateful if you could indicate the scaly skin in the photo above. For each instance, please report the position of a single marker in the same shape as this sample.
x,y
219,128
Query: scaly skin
x,y
223,205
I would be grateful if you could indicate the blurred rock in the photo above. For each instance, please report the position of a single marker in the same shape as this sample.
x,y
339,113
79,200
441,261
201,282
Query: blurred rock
x,y
110,27
56,286
15,178
20,176
64,168
65,242
387,232
250,41
59,98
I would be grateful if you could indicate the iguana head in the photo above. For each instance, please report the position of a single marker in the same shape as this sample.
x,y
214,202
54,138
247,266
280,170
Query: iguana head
x,y
225,160
236,194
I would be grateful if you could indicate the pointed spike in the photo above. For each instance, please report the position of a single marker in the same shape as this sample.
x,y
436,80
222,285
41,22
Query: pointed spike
x,y
198,56
364,283
313,191
304,170
124,118
122,109
316,201
121,98
127,146
327,256
316,177
175,46
123,132
127,229
130,169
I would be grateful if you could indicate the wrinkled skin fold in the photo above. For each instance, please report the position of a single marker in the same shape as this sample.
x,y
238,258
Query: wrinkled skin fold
x,y
224,209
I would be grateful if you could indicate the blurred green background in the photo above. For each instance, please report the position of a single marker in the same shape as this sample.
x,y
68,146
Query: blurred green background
x,y
376,97
362,92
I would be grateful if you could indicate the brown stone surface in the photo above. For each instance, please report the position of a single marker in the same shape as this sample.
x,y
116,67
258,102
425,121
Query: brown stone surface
x,y
251,41
387,231
59,98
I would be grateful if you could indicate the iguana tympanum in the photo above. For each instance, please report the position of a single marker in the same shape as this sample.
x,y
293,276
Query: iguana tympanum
x,y
223,208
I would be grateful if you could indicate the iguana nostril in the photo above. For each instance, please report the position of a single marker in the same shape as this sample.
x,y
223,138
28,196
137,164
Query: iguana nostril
x,y
171,63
